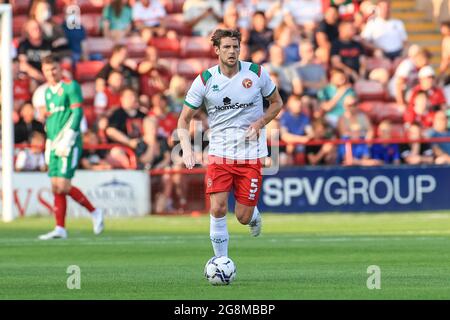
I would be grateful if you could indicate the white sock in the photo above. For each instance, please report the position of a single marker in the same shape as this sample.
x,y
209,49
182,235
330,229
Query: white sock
x,y
218,233
255,214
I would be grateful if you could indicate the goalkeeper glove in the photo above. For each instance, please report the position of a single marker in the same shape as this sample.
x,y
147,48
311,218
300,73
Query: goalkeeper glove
x,y
64,146
48,149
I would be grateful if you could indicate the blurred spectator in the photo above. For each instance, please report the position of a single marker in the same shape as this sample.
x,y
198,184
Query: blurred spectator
x,y
260,35
27,125
38,102
386,34
231,21
246,10
346,8
93,159
441,150
176,93
118,62
32,49
416,152
295,128
406,76
285,38
328,30
147,13
332,96
347,53
351,154
445,51
154,76
308,76
126,126
116,20
324,153
303,13
423,111
386,153
21,86
76,35
352,115
41,11
276,80
107,101
276,64
32,158
202,16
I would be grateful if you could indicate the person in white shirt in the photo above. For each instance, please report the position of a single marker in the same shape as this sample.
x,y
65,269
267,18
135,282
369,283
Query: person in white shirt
x,y
147,13
232,93
202,16
32,159
385,34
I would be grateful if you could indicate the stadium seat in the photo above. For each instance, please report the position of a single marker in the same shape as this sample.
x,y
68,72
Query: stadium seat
x,y
370,90
176,22
166,47
88,91
196,47
100,45
91,6
173,6
18,25
89,113
398,131
376,63
391,112
88,70
136,47
191,68
20,7
91,22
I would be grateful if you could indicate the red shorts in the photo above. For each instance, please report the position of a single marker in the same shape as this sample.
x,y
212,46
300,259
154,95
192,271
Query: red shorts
x,y
244,176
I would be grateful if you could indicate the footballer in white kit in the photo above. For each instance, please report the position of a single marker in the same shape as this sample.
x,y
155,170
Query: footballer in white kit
x,y
232,93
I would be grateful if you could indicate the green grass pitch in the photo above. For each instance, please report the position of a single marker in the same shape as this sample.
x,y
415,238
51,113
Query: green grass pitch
x,y
311,256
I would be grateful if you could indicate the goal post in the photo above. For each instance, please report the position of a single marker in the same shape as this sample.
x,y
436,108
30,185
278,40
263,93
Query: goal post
x,y
6,91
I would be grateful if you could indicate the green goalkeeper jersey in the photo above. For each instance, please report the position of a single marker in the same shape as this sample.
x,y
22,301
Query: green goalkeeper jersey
x,y
63,102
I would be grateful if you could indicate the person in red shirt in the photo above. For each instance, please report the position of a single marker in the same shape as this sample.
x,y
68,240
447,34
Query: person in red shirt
x,y
347,8
426,99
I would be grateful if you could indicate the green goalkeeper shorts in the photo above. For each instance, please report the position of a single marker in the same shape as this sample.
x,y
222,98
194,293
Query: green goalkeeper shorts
x,y
65,167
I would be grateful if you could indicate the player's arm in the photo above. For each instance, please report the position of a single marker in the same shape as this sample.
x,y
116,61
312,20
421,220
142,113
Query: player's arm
x,y
187,113
193,101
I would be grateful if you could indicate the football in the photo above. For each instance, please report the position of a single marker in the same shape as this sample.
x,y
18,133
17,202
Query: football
x,y
220,271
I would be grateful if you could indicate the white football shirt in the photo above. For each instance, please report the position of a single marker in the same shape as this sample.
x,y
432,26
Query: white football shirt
x,y
233,104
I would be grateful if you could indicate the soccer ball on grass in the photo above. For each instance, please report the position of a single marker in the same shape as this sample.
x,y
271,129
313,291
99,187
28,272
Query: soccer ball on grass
x,y
220,271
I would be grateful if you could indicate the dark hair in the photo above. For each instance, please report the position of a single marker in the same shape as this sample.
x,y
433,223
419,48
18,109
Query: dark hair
x,y
117,48
50,59
259,13
128,89
222,33
446,23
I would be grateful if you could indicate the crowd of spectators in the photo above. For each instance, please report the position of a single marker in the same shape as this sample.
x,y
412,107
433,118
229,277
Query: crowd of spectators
x,y
344,69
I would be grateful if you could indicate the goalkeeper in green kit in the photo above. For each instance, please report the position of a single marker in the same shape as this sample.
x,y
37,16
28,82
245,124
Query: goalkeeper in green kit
x,y
63,147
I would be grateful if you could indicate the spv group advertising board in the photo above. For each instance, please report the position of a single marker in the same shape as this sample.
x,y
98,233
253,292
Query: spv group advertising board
x,y
375,189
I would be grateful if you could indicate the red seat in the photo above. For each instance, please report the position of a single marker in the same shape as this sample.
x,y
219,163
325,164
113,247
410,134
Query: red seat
x,y
88,91
89,114
171,64
176,22
18,25
20,7
136,47
100,45
190,68
376,63
370,90
91,22
91,6
390,111
166,47
88,70
398,131
173,6
196,47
